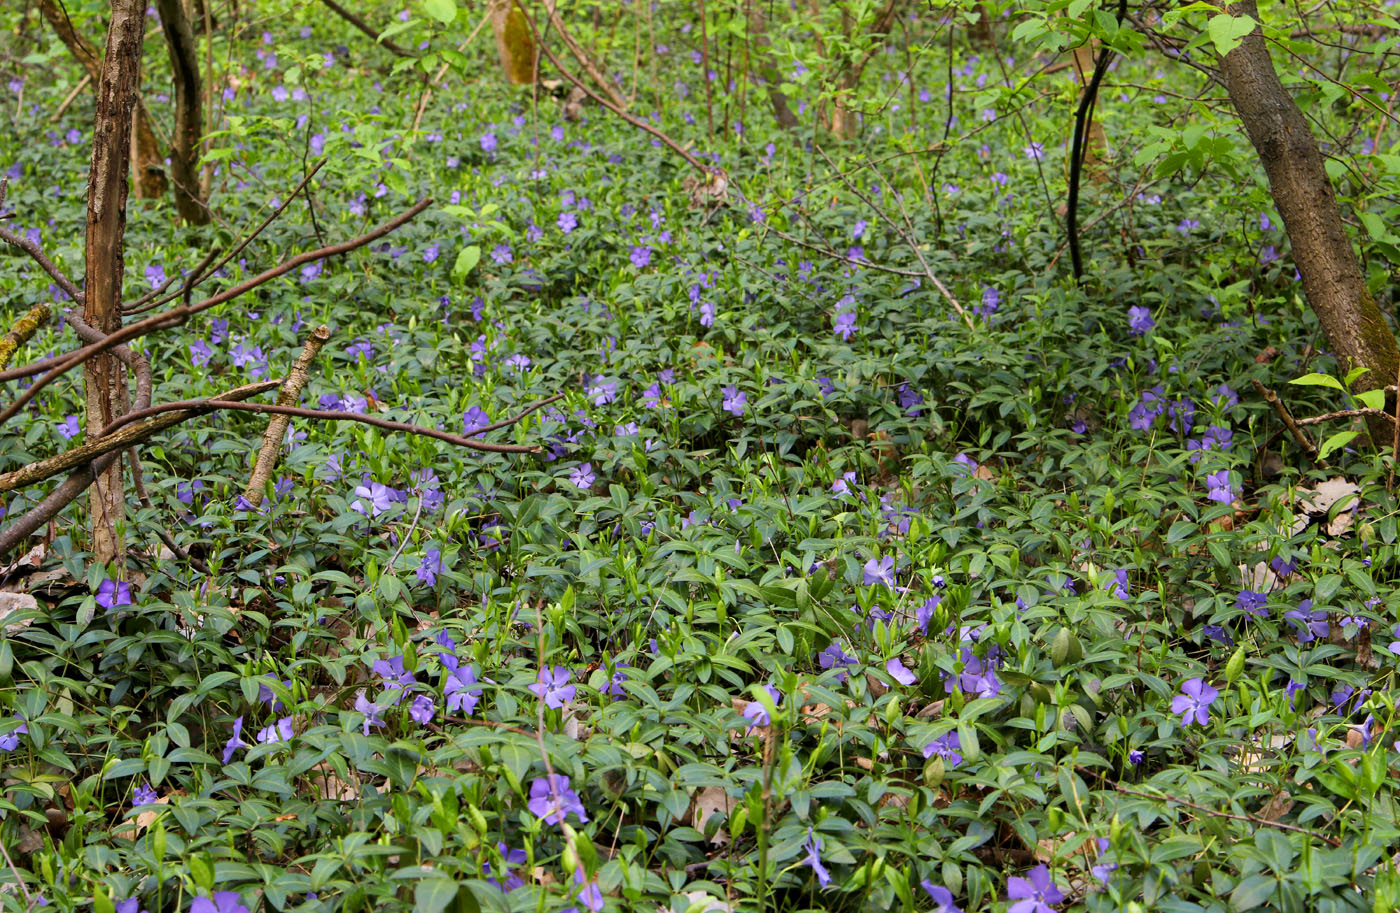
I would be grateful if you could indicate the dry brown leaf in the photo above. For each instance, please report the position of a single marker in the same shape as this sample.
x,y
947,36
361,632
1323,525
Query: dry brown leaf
x,y
144,820
705,804
1278,806
329,786
13,603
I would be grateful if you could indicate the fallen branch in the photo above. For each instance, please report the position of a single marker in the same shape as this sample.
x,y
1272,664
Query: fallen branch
x,y
1286,417
277,425
636,122
201,406
177,316
594,71
1346,413
365,27
20,333
110,443
68,100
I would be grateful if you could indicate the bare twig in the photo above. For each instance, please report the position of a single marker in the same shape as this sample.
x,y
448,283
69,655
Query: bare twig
x,y
68,99
1214,813
111,443
636,122
1346,413
200,406
277,425
39,257
1286,417
365,27
594,71
23,329
177,316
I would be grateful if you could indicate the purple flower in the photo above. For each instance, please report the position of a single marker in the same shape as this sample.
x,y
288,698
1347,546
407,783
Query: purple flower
x,y
567,222
814,858
1036,894
1252,603
1194,701
311,271
393,676
552,800
1140,320
1134,757
269,697
378,499
842,486
70,427
155,275
488,142
757,714
144,795
221,902
430,567
511,858
948,747
1291,690
280,731
361,349
614,688
112,593
734,401
602,391
422,709
1035,151
900,672
589,894
583,476
924,613
1219,488
845,325
640,257
10,740
461,696
942,897
502,254
879,570
834,657
1311,624
200,353
991,300
370,710
553,686
1117,585
130,905
235,741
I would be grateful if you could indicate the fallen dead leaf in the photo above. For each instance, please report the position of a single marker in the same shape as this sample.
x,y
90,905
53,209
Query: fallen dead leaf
x,y
144,819
14,603
705,804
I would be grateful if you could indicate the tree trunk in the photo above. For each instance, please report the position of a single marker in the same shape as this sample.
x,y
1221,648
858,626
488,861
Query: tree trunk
x,y
1332,279
145,151
104,377
189,111
766,71
513,42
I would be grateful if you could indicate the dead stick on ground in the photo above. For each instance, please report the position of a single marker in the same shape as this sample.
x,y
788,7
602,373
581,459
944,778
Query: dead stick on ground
x,y
130,435
277,425
1286,417
68,100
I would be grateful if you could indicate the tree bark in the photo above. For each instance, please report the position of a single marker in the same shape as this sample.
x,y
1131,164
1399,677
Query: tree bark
x,y
104,377
766,71
1335,287
189,111
145,151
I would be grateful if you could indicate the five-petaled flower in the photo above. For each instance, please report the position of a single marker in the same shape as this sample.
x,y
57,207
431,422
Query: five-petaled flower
x,y
734,401
1035,894
552,800
1194,701
553,686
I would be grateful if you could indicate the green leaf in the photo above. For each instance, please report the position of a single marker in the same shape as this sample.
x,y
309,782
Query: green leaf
x,y
1318,380
467,259
1228,31
443,11
434,894
1335,442
1372,399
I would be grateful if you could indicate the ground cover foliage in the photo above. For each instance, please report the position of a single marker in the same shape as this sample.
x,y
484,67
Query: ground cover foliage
x,y
816,598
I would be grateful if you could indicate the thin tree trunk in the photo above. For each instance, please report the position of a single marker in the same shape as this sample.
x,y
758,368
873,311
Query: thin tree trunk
x,y
104,377
189,111
1332,279
145,151
766,71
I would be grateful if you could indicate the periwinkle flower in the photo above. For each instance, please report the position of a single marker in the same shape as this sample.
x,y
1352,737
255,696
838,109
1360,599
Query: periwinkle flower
x,y
900,672
460,691
948,747
144,795
553,686
1218,487
813,846
374,499
235,741
879,571
371,711
640,256
221,902
757,714
734,401
422,710
942,897
112,593
1034,894
1140,320
280,731
1252,603
583,476
430,567
512,858
552,800
1194,701
835,657
845,325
